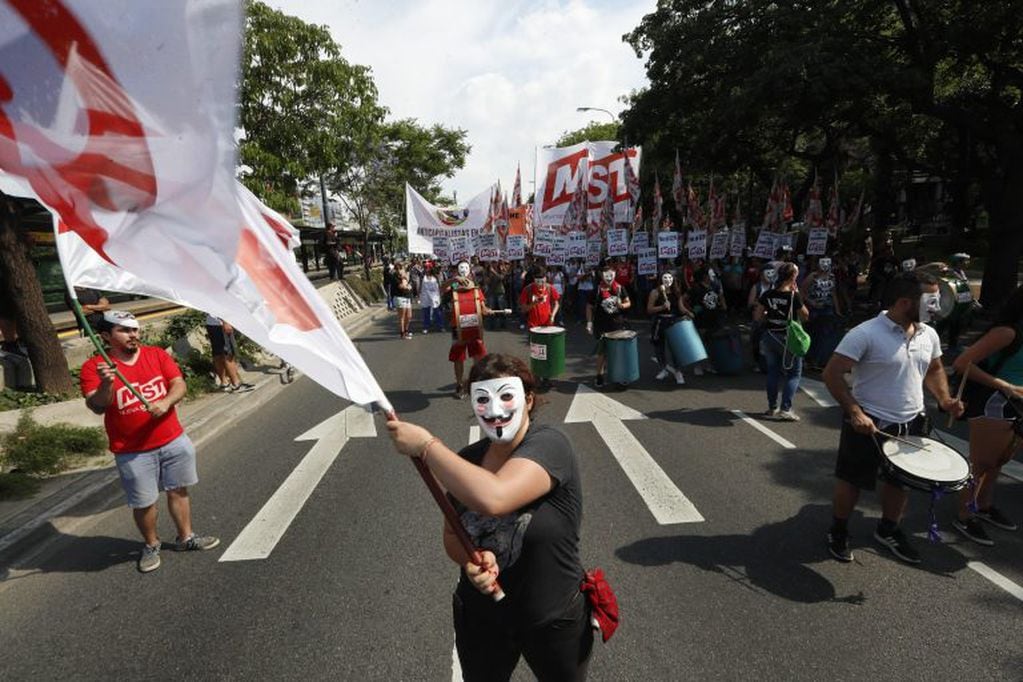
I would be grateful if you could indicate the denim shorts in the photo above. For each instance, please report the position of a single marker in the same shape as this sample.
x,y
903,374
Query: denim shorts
x,y
145,474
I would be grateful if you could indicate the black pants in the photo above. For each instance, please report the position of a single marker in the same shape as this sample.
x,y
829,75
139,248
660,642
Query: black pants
x,y
489,649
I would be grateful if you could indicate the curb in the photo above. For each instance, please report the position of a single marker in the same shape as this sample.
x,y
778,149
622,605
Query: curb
x,y
26,526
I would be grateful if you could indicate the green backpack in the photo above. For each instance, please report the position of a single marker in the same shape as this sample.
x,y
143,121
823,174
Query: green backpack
x,y
797,341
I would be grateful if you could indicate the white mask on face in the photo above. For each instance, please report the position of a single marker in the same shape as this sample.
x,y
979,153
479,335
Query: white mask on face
x,y
499,405
909,264
770,275
930,306
463,270
825,264
609,276
667,280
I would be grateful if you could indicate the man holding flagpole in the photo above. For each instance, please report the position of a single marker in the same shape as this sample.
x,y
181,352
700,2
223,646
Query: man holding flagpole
x,y
151,450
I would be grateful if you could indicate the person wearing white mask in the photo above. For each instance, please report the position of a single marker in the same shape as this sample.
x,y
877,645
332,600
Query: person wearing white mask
x,y
768,277
666,306
518,493
820,292
892,358
606,313
468,308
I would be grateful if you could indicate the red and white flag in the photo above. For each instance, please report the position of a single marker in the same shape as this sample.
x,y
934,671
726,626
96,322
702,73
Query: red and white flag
x,y
658,214
677,190
834,219
517,189
119,118
695,215
814,216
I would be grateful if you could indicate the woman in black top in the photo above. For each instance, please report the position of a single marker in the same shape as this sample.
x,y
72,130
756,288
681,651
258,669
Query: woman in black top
x,y
519,496
774,309
666,305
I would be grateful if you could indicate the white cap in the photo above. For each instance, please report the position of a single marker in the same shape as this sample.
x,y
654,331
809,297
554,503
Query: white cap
x,y
120,318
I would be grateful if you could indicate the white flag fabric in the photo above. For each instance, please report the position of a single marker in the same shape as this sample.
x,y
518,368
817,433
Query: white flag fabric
x,y
119,118
426,221
596,165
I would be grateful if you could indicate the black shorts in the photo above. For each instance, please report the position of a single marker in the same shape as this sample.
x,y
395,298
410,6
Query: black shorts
x,y
859,460
489,649
216,334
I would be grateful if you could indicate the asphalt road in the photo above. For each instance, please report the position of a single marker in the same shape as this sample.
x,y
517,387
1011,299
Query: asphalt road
x,y
359,588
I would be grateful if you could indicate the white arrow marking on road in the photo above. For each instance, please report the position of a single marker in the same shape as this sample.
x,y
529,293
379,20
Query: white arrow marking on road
x,y
265,530
788,445
818,391
662,496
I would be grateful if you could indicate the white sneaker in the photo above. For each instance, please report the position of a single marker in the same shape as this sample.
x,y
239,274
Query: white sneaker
x,y
680,378
663,374
788,416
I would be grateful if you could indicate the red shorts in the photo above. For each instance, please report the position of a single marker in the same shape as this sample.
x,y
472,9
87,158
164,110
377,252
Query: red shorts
x,y
459,349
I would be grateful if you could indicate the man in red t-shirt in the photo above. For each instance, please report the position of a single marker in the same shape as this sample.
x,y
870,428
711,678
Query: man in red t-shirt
x,y
150,448
539,301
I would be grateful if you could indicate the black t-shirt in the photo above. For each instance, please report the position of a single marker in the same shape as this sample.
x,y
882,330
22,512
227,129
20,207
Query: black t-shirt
x,y
537,547
706,304
604,321
777,303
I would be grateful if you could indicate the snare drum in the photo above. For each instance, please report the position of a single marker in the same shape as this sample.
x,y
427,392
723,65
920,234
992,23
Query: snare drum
x,y
932,467
622,356
956,297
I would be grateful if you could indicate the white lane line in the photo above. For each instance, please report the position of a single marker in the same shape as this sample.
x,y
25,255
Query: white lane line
x,y
764,430
818,391
666,502
1012,469
997,578
258,539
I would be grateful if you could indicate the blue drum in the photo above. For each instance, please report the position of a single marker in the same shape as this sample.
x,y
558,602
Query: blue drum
x,y
684,343
622,352
726,351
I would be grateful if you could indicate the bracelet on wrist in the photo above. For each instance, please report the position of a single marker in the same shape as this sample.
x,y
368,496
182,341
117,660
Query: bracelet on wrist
x,y
426,446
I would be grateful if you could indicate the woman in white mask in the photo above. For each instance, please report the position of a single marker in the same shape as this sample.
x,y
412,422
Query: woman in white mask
x,y
606,313
666,305
519,495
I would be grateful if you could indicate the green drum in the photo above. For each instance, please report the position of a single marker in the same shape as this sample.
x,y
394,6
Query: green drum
x,y
956,298
547,351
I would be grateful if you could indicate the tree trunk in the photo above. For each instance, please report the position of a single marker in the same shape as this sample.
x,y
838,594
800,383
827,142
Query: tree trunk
x,y
34,326
884,205
1003,197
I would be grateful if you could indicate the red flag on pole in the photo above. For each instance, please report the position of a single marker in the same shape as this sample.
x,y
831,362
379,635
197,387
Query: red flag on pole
x,y
677,190
517,189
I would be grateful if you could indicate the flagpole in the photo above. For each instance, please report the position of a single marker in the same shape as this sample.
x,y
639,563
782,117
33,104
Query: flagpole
x,y
447,509
82,320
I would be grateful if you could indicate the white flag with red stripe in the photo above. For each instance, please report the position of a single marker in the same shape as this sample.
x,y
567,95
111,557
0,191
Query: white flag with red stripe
x,y
119,118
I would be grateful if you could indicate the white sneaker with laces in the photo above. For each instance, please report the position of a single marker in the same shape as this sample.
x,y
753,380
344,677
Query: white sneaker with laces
x,y
663,374
680,378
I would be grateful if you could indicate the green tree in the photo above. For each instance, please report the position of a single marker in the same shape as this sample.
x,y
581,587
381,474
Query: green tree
x,y
594,130
372,185
26,295
303,108
891,87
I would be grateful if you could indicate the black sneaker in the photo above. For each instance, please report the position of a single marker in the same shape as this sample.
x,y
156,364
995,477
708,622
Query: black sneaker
x,y
838,545
996,518
973,529
599,381
898,543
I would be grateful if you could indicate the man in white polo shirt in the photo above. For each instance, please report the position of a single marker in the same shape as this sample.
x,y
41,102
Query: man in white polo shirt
x,y
891,357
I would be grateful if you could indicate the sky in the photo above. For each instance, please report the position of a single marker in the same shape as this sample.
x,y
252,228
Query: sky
x,y
510,72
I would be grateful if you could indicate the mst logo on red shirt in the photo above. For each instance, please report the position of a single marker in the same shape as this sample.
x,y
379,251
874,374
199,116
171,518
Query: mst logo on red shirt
x,y
129,426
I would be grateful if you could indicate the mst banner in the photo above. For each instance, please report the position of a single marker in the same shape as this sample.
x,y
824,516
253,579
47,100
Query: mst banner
x,y
426,221
560,170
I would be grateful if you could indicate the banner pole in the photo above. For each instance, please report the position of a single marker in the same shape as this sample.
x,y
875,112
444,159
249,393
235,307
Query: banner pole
x,y
446,508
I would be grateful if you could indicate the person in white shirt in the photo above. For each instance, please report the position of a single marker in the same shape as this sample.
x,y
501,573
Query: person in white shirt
x,y
892,357
429,301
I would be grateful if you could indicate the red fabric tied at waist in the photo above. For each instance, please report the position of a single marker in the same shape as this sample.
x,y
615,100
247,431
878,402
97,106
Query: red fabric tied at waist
x,y
603,602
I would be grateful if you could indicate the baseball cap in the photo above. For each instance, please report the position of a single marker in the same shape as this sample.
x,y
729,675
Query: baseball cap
x,y
120,318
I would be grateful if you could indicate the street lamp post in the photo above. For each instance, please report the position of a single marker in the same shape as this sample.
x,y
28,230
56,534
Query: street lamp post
x,y
614,119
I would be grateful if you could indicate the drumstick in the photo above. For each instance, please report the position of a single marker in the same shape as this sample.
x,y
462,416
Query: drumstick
x,y
959,393
918,446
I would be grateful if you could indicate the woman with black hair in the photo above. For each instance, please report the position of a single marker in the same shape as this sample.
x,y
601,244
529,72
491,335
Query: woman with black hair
x,y
666,305
994,408
774,309
519,495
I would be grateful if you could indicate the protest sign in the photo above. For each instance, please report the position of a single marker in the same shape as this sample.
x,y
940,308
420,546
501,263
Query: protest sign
x,y
697,245
667,244
515,247
617,242
765,247
647,261
737,241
